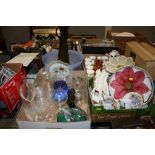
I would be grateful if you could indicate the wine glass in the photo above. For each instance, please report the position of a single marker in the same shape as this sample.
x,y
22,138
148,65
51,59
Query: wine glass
x,y
59,97
27,91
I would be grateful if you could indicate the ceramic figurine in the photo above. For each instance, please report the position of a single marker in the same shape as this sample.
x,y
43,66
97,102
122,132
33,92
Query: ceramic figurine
x,y
114,53
100,86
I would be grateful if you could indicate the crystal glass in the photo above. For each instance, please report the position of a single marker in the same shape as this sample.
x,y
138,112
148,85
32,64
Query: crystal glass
x,y
59,97
27,91
71,115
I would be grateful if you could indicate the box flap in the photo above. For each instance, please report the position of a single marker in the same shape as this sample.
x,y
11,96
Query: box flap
x,y
148,47
14,66
141,51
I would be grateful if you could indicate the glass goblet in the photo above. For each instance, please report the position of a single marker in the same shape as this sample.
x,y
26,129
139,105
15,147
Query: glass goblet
x,y
59,96
27,91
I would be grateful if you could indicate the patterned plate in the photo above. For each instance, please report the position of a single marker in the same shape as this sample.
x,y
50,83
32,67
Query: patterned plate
x,y
131,79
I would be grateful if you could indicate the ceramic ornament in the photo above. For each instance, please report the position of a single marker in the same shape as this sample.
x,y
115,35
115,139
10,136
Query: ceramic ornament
x,y
92,57
115,63
114,53
88,63
100,86
99,57
105,58
89,67
87,59
90,72
109,103
132,100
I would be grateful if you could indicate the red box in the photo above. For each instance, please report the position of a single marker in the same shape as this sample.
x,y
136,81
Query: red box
x,y
9,92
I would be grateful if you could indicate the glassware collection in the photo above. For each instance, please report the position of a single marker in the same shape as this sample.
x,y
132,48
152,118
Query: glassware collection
x,y
52,96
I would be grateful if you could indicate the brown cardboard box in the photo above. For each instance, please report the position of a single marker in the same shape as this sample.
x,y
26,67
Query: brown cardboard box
x,y
120,41
143,54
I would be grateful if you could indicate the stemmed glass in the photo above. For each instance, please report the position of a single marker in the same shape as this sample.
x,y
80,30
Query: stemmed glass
x,y
59,97
78,86
27,91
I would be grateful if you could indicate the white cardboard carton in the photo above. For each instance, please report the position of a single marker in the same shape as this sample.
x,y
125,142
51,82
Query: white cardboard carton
x,y
24,123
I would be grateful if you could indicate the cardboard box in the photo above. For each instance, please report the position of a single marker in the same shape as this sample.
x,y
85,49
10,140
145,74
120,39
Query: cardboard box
x,y
99,114
120,41
143,54
25,123
9,92
116,116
